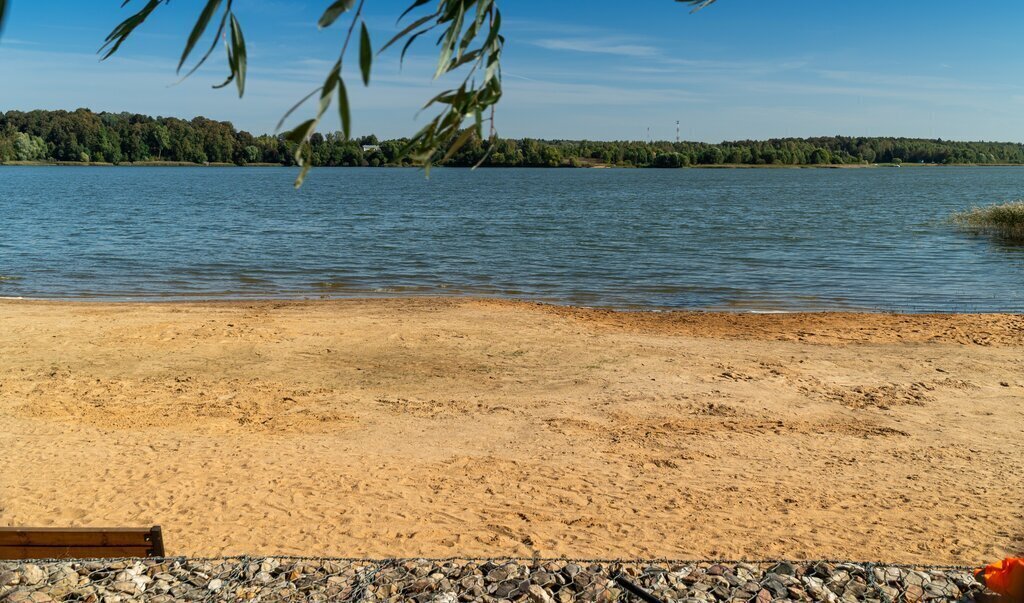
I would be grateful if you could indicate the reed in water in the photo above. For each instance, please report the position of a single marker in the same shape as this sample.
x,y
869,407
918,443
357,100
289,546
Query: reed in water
x,y
1004,220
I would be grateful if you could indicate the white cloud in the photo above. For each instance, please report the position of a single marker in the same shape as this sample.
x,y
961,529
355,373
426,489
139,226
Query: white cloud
x,y
596,46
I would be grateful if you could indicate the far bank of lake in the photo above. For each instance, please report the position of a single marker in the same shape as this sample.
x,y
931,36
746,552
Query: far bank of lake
x,y
737,166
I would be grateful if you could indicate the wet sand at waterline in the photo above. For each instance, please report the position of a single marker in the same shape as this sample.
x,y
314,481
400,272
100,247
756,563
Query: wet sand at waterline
x,y
461,427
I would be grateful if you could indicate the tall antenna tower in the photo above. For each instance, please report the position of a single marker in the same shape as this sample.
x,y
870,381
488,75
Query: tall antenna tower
x,y
677,131
648,133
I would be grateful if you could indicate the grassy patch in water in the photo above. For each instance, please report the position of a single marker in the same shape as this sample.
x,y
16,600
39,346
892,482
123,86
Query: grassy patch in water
x,y
1004,221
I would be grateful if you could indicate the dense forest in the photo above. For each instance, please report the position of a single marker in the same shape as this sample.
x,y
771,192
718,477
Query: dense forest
x,y
84,136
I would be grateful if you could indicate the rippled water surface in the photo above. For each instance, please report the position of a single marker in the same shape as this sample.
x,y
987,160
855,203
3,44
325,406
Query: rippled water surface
x,y
734,239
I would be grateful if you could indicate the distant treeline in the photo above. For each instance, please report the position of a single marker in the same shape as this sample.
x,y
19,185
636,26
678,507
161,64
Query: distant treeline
x,y
84,136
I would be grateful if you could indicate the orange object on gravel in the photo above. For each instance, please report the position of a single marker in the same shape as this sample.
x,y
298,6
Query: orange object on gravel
x,y
1005,578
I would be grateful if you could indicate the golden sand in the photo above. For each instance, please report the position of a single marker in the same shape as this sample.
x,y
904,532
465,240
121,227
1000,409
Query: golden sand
x,y
438,427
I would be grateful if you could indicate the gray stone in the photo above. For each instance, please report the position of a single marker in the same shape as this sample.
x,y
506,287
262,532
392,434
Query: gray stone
x,y
19,596
855,588
775,587
504,589
64,575
942,588
32,574
717,570
888,575
815,587
783,569
888,593
820,570
838,580
913,593
537,594
750,587
160,586
125,586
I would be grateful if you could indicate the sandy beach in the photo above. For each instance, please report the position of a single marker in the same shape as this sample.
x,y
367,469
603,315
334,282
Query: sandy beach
x,y
461,427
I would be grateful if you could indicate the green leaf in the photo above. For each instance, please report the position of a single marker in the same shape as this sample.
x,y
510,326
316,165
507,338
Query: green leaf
x,y
409,42
327,90
119,34
466,58
302,174
197,31
332,78
335,10
300,132
405,31
3,12
300,158
213,45
365,54
458,144
448,43
289,112
697,4
344,110
238,55
493,34
230,78
412,7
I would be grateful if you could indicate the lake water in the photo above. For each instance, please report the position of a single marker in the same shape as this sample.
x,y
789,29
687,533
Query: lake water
x,y
751,239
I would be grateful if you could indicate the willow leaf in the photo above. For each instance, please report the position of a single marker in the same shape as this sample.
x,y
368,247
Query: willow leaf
x,y
365,54
344,111
198,29
238,55
334,11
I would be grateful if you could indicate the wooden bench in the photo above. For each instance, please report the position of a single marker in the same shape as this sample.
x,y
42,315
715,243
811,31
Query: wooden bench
x,y
80,543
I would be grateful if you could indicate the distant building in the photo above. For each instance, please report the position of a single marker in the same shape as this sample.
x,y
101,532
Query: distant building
x,y
371,148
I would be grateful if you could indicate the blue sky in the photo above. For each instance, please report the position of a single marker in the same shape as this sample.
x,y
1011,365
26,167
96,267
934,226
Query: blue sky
x,y
573,68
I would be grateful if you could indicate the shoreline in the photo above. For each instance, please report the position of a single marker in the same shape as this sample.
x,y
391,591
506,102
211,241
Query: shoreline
x,y
313,298
715,166
437,427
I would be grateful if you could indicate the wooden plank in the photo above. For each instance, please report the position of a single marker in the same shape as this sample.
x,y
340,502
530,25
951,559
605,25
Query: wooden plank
x,y
95,537
156,537
71,552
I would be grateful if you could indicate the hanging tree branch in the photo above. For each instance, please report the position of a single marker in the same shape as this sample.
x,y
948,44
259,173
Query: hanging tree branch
x,y
461,24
